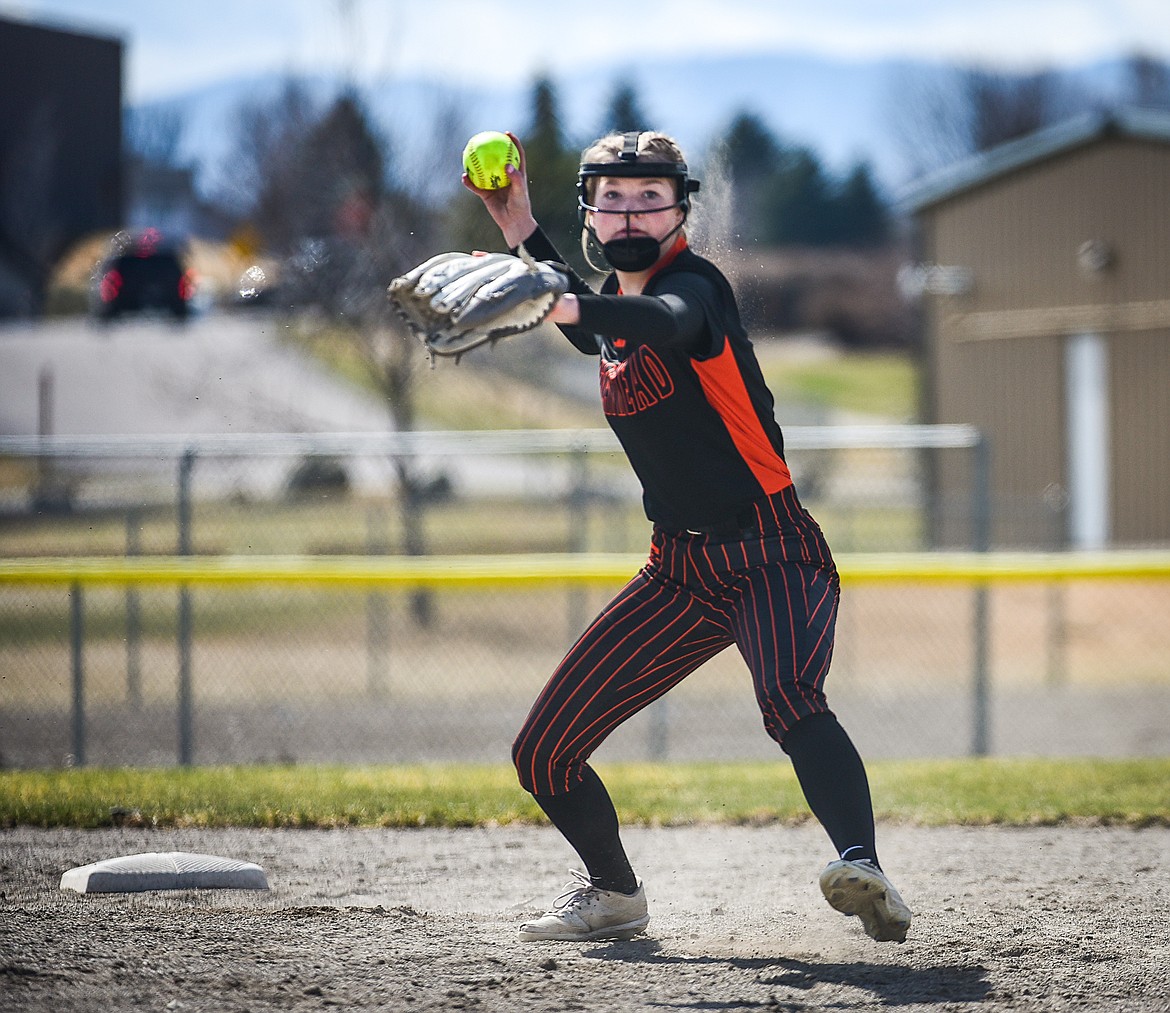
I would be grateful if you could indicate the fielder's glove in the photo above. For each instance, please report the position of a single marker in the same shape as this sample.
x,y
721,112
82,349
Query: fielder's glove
x,y
456,301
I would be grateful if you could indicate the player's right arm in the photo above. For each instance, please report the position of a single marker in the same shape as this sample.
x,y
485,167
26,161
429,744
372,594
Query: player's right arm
x,y
510,206
511,209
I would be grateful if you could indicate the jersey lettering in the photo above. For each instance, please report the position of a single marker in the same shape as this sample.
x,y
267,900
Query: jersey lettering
x,y
635,384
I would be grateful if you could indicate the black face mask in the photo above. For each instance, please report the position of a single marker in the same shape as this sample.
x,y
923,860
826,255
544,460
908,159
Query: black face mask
x,y
631,253
635,253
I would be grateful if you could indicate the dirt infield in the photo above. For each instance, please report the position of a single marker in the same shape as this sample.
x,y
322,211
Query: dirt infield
x,y
1005,919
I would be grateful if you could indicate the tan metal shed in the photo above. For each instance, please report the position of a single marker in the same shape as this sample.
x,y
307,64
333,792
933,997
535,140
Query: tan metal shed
x,y
1045,288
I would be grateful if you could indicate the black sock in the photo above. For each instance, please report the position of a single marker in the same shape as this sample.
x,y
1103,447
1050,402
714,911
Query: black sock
x,y
833,779
588,821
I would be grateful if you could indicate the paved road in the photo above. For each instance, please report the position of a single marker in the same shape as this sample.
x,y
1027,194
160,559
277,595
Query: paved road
x,y
219,373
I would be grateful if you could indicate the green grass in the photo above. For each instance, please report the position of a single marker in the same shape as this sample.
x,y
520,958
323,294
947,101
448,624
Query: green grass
x,y
879,383
1020,792
489,391
882,384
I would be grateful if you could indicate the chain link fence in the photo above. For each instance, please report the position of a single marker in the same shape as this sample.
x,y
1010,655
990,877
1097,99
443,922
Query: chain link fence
x,y
277,672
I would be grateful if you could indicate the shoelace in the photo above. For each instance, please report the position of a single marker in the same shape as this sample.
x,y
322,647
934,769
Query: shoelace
x,y
575,892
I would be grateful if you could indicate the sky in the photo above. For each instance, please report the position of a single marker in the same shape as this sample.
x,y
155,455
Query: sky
x,y
173,48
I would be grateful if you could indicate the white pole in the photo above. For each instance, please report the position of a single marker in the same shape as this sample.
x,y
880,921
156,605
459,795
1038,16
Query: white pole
x,y
1087,447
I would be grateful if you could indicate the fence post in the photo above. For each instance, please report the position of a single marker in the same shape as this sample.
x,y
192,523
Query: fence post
x,y
981,538
1056,672
133,618
659,715
77,652
377,612
578,540
185,717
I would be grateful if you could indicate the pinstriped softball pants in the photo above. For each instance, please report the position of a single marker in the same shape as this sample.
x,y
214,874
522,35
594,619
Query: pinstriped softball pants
x,y
771,590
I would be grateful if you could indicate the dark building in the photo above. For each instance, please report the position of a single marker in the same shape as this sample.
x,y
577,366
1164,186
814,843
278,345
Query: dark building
x,y
60,152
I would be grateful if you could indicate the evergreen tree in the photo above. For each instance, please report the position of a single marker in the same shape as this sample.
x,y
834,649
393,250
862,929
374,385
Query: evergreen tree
x,y
345,171
552,172
861,216
797,202
752,155
624,111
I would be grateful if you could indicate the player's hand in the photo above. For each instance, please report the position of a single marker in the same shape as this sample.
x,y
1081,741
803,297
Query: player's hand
x,y
510,206
566,311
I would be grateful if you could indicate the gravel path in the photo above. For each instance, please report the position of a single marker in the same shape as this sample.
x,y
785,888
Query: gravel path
x,y
1005,919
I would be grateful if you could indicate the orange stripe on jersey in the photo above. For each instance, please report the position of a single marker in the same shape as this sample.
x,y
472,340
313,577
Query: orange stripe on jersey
x,y
723,384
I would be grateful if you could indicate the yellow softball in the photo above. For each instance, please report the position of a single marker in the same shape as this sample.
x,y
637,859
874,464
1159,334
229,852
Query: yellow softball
x,y
485,156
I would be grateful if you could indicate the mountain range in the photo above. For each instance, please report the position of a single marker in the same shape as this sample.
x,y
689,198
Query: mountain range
x,y
846,111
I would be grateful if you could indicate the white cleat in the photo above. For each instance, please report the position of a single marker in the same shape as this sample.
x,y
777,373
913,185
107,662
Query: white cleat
x,y
861,889
584,912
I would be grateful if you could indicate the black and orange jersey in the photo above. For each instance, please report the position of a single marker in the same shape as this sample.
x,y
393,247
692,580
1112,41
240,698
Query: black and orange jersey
x,y
696,422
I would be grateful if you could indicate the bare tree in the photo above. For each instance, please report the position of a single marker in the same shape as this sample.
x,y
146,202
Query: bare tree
x,y
448,133
1002,107
1147,81
943,115
154,134
264,179
322,197
371,232
397,235
926,123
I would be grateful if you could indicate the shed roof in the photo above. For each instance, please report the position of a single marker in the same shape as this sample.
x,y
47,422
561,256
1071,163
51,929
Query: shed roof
x,y
1140,124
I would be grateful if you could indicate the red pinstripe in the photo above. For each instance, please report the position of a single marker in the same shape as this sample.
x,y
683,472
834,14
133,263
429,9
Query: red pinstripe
x,y
536,718
756,665
827,597
790,640
607,722
627,684
774,594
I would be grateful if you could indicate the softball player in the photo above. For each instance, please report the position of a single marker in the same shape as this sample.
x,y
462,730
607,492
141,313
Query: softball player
x,y
734,557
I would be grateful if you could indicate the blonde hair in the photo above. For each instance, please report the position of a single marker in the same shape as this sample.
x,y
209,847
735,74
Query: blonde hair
x,y
653,146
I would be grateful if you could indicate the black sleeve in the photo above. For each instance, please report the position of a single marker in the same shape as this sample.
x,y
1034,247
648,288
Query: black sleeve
x,y
644,319
680,313
540,247
676,315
